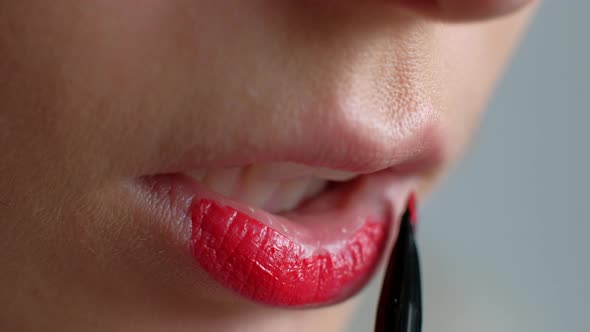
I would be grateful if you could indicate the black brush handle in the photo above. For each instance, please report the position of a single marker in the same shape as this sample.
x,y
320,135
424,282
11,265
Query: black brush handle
x,y
400,305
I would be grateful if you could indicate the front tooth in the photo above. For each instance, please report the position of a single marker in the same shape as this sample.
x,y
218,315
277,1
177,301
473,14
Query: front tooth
x,y
198,175
333,175
224,181
315,187
255,190
288,196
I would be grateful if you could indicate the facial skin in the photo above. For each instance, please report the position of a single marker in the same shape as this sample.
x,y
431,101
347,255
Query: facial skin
x,y
94,94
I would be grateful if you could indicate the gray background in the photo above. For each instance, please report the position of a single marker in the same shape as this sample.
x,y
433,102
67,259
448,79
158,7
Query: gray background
x,y
505,240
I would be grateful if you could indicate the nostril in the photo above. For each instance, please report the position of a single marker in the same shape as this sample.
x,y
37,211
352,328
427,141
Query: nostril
x,y
465,10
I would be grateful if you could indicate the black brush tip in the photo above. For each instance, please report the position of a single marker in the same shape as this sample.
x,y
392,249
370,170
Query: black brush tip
x,y
400,305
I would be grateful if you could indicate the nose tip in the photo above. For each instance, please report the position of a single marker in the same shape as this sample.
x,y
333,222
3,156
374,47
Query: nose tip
x,y
464,10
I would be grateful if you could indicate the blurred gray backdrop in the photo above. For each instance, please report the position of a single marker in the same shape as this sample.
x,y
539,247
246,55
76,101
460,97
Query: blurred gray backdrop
x,y
505,241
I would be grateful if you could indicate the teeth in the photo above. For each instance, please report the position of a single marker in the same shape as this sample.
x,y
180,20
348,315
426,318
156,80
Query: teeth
x,y
275,187
224,181
288,196
256,190
314,187
198,175
332,175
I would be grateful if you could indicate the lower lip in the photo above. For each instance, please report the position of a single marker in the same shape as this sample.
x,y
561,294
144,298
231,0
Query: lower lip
x,y
265,266
322,253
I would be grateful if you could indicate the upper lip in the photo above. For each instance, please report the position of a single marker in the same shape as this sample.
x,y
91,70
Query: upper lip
x,y
338,143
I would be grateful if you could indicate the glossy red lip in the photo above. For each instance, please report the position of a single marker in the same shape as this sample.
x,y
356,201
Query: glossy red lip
x,y
321,253
265,266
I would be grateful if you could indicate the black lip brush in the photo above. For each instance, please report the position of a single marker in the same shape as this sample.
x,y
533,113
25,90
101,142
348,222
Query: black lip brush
x,y
400,305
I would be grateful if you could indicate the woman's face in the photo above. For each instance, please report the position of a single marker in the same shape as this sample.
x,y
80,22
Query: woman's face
x,y
214,165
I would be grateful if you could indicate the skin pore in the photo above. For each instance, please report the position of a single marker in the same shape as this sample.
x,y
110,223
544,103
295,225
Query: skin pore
x,y
96,94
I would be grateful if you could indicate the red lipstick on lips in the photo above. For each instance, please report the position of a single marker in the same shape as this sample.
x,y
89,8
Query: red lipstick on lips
x,y
322,253
265,266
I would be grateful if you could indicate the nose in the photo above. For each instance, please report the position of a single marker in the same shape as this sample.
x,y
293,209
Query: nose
x,y
463,10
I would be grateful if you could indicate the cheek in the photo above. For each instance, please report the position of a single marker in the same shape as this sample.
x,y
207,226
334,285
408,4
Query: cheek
x,y
81,74
473,58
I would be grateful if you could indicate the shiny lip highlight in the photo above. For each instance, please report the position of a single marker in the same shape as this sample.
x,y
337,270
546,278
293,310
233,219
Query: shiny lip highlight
x,y
321,253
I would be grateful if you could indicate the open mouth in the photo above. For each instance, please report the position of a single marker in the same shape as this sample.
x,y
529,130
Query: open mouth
x,y
289,235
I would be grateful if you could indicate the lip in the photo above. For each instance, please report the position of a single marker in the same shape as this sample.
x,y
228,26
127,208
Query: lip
x,y
321,253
